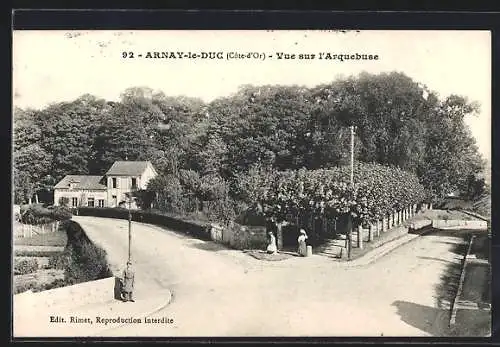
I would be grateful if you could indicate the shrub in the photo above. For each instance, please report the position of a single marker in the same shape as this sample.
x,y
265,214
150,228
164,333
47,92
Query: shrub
x,y
25,266
64,201
83,260
37,214
59,261
192,227
25,286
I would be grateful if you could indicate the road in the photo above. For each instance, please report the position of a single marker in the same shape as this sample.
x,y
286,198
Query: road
x,y
220,292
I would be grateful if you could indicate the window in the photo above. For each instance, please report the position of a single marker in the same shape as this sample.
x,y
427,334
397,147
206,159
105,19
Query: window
x,y
74,202
134,183
114,182
90,202
100,202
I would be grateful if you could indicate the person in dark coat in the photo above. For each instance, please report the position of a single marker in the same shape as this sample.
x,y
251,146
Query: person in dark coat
x,y
128,283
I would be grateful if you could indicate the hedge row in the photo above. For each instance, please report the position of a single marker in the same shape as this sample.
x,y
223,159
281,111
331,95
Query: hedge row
x,y
37,214
82,260
197,229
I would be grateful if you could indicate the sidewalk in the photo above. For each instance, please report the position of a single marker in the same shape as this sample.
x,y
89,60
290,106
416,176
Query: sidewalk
x,y
317,260
89,320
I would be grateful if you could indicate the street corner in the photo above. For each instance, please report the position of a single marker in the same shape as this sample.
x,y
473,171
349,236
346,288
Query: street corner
x,y
119,313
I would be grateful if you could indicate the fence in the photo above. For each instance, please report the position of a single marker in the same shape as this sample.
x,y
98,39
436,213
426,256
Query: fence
x,y
27,230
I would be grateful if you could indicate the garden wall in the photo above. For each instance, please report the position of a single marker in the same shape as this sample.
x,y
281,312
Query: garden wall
x,y
239,236
472,224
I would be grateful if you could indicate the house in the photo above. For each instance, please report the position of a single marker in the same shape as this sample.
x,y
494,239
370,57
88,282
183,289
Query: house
x,y
109,190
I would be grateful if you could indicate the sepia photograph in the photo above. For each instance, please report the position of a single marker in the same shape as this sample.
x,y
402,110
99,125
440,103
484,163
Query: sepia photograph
x,y
251,183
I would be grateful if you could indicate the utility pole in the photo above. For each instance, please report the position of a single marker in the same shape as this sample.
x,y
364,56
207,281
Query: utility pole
x,y
352,155
129,229
349,233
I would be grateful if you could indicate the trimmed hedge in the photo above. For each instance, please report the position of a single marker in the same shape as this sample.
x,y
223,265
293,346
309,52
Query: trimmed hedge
x,y
194,228
37,214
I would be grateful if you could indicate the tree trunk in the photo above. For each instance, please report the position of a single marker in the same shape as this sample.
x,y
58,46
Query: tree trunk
x,y
279,235
360,236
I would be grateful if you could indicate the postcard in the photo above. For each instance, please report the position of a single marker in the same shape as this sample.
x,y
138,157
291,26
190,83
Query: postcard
x,y
253,183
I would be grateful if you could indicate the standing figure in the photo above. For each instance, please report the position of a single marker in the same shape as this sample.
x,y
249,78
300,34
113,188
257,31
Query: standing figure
x,y
128,282
302,250
271,247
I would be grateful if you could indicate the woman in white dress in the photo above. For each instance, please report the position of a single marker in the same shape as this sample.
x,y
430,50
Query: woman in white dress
x,y
271,248
302,243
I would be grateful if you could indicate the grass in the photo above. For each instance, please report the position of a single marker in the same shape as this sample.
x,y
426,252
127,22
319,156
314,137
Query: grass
x,y
263,255
37,280
477,283
472,323
57,238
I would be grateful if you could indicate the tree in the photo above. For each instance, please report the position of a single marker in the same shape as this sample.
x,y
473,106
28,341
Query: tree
x,y
451,153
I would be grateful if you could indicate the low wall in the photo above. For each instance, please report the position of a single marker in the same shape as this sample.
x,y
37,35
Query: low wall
x,y
68,297
419,224
472,224
239,236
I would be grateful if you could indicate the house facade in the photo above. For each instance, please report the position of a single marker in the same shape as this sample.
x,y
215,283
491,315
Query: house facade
x,y
109,190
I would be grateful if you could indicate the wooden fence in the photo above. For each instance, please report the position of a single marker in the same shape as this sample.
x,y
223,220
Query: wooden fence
x,y
27,230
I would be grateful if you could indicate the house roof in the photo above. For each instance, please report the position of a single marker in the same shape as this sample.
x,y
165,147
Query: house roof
x,y
81,182
128,168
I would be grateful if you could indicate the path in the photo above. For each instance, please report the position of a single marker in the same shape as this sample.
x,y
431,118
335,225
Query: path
x,y
219,292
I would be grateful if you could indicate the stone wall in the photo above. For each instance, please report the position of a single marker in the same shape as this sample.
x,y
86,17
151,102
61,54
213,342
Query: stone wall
x,y
240,236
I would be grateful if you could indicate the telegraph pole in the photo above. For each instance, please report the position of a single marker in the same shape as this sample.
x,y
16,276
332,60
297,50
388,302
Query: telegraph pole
x,y
129,230
349,233
352,155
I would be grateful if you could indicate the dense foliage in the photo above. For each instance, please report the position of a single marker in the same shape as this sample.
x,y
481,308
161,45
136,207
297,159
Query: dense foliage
x,y
214,158
378,190
37,214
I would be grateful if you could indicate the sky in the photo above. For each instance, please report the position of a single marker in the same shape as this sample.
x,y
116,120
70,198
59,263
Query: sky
x,y
54,66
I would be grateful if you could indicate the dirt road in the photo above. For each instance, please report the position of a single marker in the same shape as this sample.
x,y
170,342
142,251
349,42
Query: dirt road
x,y
220,292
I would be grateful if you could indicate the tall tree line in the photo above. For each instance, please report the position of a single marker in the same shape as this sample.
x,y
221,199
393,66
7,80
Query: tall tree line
x,y
207,150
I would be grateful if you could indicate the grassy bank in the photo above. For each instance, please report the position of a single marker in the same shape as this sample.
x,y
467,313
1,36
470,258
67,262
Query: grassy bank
x,y
37,269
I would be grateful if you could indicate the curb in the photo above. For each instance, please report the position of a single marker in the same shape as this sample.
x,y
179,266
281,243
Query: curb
x,y
147,313
366,259
454,308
